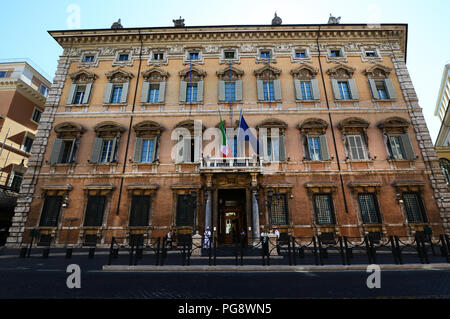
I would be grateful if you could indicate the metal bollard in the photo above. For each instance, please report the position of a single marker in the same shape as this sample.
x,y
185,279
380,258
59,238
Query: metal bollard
x,y
69,253
91,253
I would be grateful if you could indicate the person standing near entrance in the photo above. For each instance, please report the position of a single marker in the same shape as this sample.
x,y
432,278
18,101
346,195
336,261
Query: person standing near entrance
x,y
206,238
277,233
265,242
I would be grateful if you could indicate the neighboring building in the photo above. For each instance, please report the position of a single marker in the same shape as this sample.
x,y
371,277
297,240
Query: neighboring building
x,y
353,155
23,92
443,140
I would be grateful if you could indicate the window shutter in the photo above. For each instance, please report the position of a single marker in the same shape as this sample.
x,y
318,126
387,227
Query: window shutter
x,y
239,90
186,150
156,151
306,147
72,90
298,89
352,147
264,145
353,89
324,148
277,88
162,92
282,148
259,84
125,87
315,89
145,91
96,150
138,150
197,148
334,84
107,95
183,87
200,91
114,150
387,141
221,90
390,88
73,150
407,147
373,88
87,94
56,151
179,155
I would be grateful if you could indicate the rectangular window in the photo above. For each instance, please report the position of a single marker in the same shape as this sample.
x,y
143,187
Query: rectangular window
x,y
336,53
153,95
324,209
116,95
306,88
369,209
79,95
36,117
371,53
278,210
300,53
230,54
107,151
3,74
123,57
88,58
314,148
193,56
381,90
44,90
356,147
16,182
414,208
265,54
269,92
273,149
397,147
140,207
185,210
94,211
230,91
158,56
67,147
191,92
50,211
27,144
344,90
148,147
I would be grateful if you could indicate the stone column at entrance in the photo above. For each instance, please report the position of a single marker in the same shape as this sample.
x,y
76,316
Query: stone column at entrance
x,y
255,218
208,213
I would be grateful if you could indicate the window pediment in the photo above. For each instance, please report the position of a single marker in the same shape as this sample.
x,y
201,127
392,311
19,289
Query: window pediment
x,y
224,74
148,128
69,129
155,75
119,76
193,74
394,124
305,72
341,71
267,72
353,123
378,71
313,125
189,125
83,77
108,129
272,123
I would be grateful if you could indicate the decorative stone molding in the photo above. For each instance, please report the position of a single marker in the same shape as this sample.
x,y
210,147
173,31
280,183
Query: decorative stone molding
x,y
197,74
128,62
267,72
108,128
353,123
155,75
224,74
259,59
365,186
321,187
305,72
69,129
148,128
86,64
394,125
83,77
371,59
336,59
313,126
378,71
306,59
272,123
152,61
188,61
224,60
119,76
341,71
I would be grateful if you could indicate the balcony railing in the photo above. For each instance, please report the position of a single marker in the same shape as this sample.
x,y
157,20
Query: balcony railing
x,y
231,163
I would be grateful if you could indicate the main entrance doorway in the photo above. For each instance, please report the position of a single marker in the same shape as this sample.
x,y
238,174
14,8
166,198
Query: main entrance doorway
x,y
232,215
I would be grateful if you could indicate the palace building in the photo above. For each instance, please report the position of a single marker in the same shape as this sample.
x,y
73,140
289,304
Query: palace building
x,y
343,147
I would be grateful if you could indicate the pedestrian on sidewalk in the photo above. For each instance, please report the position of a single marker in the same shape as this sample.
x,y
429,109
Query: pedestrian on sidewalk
x,y
207,238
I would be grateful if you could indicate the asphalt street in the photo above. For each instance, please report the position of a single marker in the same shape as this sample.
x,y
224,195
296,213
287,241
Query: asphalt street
x,y
46,278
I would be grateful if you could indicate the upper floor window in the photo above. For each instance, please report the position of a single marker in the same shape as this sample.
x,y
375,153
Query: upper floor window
x,y
230,54
147,139
44,90
230,84
306,84
116,94
230,91
158,56
344,90
191,86
314,139
123,57
445,166
3,74
301,53
89,58
36,117
27,144
265,54
189,145
335,53
81,87
268,84
371,53
191,92
116,91
355,138
66,144
194,56
79,94
381,85
343,83
272,134
397,139
106,142
269,92
154,86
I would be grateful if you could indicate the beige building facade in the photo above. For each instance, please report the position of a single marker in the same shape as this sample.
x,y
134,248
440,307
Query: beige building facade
x,y
343,146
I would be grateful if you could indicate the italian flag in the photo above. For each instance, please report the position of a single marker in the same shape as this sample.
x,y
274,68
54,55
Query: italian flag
x,y
225,150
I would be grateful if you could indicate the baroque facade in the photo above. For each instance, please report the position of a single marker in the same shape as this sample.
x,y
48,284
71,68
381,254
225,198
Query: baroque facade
x,y
351,154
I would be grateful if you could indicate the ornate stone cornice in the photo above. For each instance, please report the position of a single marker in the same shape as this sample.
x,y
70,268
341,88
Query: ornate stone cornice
x,y
305,71
83,76
340,71
23,88
378,71
161,73
119,75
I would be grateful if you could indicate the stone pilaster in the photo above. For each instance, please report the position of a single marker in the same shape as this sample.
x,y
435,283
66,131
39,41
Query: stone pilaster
x,y
28,188
437,179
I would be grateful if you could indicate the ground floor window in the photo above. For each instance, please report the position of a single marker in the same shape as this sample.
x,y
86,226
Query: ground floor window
x,y
50,211
94,211
185,209
279,210
414,208
323,207
369,209
140,206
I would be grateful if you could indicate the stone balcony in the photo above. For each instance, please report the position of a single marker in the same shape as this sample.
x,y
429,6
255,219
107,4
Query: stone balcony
x,y
230,164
